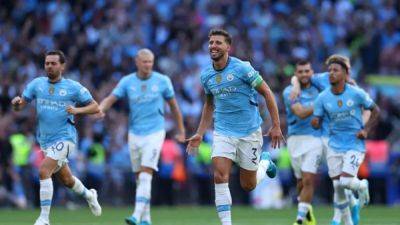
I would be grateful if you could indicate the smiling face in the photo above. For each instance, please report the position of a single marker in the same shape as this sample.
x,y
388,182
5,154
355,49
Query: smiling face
x,y
304,73
218,47
54,68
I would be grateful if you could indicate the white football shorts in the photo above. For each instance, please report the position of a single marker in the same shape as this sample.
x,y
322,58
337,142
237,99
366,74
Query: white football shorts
x,y
305,153
244,151
60,151
325,145
348,162
145,150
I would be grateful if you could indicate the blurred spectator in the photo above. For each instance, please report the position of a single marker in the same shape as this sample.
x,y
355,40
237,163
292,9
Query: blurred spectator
x,y
201,168
171,171
96,156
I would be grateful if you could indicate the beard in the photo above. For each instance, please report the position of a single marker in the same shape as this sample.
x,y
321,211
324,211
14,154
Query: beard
x,y
304,81
53,74
216,57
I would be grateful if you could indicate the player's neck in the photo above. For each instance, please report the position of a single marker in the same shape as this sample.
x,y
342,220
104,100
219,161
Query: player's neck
x,y
221,63
55,80
305,86
143,76
338,88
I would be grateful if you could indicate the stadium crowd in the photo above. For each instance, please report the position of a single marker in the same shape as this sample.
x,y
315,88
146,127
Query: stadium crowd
x,y
101,37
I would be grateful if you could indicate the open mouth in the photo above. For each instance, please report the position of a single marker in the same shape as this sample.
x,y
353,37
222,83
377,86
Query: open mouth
x,y
214,51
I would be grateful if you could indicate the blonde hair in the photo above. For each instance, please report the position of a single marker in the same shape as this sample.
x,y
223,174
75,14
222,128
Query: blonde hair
x,y
336,58
144,51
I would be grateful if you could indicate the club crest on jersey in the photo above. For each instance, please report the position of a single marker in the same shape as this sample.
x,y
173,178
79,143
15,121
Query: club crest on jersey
x,y
62,92
349,103
229,77
51,89
340,103
154,88
218,78
143,87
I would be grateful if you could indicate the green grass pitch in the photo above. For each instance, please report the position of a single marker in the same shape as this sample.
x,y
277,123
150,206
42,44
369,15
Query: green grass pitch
x,y
372,215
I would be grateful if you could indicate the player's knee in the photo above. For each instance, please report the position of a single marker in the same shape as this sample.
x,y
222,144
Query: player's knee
x,y
248,186
336,183
220,178
44,173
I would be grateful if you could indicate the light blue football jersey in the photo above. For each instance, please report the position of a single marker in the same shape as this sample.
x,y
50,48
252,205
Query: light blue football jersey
x,y
54,123
146,101
345,115
235,99
321,82
296,125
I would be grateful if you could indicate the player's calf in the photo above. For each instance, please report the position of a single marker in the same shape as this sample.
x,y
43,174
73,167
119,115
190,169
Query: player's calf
x,y
46,195
223,203
248,185
248,179
304,213
354,207
67,181
361,186
143,194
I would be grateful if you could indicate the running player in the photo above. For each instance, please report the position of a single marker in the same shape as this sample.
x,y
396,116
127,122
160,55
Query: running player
x,y
147,91
231,87
304,142
321,81
343,105
56,104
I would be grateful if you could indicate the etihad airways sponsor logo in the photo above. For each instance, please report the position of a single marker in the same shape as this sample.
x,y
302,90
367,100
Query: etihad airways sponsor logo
x,y
223,92
52,104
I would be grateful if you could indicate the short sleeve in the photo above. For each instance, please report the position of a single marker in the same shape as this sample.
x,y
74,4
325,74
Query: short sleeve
x,y
365,99
168,91
318,106
120,90
321,81
250,75
29,92
83,95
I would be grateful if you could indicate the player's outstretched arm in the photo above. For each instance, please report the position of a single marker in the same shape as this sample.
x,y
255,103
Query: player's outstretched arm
x,y
301,111
173,105
295,92
18,103
107,103
366,114
275,132
91,108
205,121
373,119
